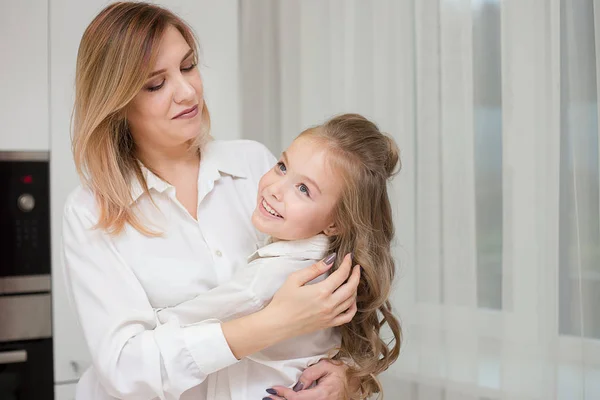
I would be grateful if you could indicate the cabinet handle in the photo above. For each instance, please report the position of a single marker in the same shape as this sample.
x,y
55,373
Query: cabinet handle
x,y
75,366
13,357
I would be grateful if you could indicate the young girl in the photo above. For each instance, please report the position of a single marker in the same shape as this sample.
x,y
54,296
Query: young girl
x,y
327,194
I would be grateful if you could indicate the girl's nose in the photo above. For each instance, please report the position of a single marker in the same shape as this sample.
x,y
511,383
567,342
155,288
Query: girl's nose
x,y
276,194
275,191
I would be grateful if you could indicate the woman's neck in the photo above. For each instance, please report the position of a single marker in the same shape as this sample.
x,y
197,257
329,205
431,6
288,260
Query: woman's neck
x,y
168,162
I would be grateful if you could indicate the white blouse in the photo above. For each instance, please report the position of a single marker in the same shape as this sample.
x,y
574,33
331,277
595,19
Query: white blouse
x,y
249,290
118,284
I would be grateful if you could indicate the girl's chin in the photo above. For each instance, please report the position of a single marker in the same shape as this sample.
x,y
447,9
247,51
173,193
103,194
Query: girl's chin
x,y
261,224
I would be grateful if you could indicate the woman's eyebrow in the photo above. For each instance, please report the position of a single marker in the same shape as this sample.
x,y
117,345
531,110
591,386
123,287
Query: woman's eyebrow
x,y
160,71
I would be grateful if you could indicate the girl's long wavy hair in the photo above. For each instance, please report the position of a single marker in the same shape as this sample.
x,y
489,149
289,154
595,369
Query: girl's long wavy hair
x,y
116,54
367,159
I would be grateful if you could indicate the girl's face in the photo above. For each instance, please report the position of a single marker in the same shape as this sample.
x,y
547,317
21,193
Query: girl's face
x,y
296,198
167,112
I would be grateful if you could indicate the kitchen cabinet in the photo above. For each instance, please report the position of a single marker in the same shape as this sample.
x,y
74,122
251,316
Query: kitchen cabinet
x,y
24,75
64,391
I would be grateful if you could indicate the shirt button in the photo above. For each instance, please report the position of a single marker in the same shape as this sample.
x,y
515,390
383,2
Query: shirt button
x,y
218,253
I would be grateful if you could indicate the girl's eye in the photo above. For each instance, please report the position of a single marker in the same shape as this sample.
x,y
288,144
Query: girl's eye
x,y
187,69
156,87
304,189
281,166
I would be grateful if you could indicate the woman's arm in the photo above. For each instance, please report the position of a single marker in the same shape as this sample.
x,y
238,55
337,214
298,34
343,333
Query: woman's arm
x,y
133,356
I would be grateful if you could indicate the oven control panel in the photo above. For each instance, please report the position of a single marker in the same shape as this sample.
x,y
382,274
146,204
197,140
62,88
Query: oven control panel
x,y
24,213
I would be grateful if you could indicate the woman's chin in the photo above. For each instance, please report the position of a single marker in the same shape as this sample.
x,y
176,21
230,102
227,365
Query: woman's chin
x,y
192,135
191,131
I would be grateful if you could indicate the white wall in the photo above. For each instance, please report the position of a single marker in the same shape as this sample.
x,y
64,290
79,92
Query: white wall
x,y
24,75
216,23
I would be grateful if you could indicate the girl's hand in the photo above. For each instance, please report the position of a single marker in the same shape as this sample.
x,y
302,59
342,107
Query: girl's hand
x,y
331,384
303,309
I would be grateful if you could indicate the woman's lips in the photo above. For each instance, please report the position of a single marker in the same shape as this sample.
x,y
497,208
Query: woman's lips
x,y
189,113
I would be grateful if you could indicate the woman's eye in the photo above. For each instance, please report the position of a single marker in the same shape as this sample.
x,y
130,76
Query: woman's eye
x,y
304,189
281,167
188,68
156,87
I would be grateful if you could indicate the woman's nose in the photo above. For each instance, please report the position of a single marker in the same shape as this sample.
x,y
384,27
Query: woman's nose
x,y
184,90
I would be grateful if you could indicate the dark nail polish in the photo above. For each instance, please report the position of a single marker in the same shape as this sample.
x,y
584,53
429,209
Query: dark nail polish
x,y
298,387
271,391
330,258
267,398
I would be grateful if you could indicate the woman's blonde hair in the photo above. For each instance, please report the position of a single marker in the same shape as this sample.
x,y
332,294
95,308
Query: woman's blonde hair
x,y
116,54
366,159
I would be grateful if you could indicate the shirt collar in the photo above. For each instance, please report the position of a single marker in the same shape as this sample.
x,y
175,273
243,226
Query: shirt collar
x,y
218,155
313,248
152,181
216,159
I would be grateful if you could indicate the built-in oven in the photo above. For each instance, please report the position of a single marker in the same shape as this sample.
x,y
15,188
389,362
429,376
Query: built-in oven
x,y
26,361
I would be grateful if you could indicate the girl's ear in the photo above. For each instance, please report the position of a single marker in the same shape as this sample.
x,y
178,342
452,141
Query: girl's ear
x,y
331,230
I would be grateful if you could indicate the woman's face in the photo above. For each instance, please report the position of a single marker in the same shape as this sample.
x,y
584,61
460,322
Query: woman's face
x,y
167,112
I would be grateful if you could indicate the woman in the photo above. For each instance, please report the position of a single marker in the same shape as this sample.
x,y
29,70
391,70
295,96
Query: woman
x,y
164,214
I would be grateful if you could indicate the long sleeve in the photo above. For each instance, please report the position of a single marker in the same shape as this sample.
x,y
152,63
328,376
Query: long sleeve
x,y
253,285
248,291
284,362
134,356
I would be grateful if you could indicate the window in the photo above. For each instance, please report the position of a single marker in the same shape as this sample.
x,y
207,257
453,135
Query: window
x,y
487,110
579,241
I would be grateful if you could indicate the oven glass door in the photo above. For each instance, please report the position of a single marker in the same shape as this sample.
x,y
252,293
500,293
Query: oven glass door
x,y
26,370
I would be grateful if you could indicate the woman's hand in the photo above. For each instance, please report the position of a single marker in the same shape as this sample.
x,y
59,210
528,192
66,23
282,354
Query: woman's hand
x,y
331,384
297,309
305,308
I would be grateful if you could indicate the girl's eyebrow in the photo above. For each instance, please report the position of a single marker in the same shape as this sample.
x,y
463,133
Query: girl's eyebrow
x,y
304,177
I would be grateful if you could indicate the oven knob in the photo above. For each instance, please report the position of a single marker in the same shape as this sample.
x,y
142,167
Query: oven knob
x,y
26,202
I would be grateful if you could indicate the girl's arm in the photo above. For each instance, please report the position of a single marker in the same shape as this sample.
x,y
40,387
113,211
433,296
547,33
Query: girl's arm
x,y
297,309
248,291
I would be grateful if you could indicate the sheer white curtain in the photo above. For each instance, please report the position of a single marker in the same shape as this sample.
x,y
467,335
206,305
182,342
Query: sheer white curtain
x,y
495,107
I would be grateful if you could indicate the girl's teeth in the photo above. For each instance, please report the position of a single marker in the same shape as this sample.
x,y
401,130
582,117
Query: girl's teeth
x,y
269,209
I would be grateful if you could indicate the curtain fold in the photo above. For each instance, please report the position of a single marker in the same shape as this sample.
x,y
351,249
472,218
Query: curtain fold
x,y
494,105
